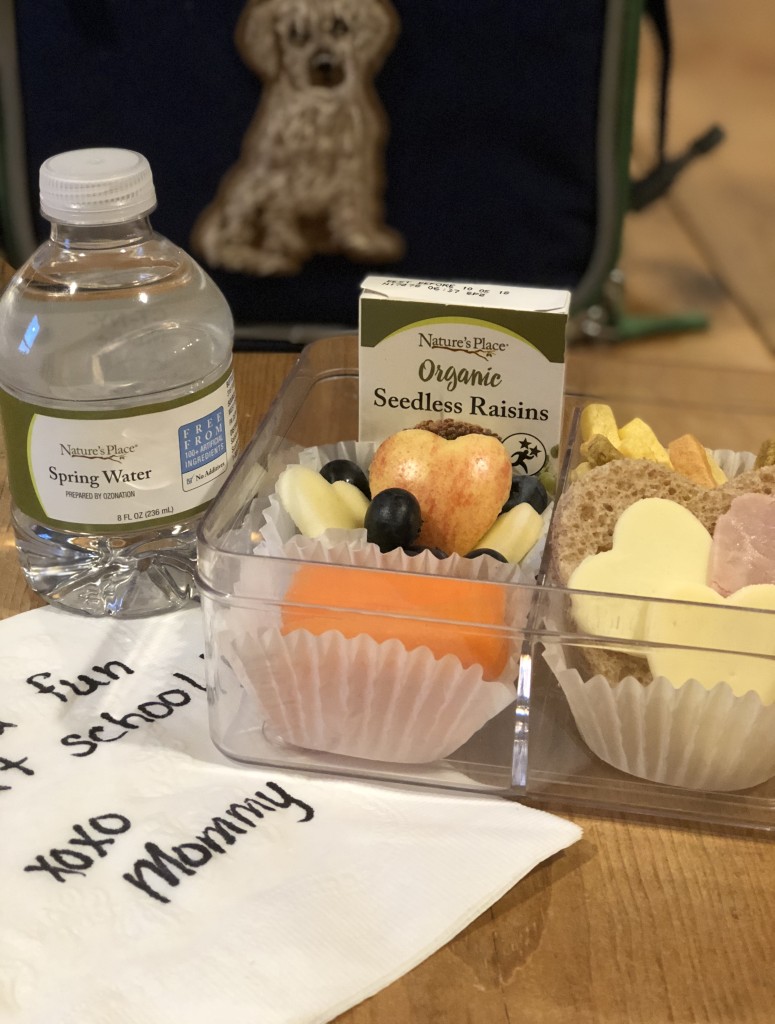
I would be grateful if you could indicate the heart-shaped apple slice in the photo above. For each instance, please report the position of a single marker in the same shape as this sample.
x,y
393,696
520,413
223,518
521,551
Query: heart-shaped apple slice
x,y
726,632
461,484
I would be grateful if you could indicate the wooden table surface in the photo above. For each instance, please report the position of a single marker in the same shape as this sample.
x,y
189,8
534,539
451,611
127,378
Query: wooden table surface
x,y
640,922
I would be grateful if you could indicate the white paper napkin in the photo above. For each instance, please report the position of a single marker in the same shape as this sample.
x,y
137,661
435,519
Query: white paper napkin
x,y
146,880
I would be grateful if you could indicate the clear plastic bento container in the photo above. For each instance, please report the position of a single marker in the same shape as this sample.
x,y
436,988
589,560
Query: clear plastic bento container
x,y
324,660
446,705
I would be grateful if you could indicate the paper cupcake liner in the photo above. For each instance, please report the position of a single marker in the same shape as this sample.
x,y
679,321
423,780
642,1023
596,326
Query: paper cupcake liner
x,y
342,547
733,463
686,736
350,547
364,699
355,696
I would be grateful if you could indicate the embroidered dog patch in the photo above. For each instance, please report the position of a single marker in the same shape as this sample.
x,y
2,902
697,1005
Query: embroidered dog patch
x,y
310,177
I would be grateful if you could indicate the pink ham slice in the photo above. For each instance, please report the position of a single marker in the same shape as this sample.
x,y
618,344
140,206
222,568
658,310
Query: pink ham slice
x,y
743,550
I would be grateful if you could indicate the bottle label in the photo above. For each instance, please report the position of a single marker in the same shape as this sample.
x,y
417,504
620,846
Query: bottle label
x,y
120,471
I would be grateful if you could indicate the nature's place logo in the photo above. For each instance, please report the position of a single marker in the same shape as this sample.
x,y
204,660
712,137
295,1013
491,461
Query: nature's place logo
x,y
467,344
68,477
104,452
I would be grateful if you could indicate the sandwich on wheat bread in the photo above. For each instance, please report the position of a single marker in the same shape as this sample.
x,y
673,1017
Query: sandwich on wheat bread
x,y
586,514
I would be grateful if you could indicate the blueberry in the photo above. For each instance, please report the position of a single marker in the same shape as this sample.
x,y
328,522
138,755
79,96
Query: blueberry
x,y
350,472
393,519
527,489
486,551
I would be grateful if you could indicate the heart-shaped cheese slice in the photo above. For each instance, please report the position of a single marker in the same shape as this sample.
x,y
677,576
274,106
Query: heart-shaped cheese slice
x,y
725,630
657,543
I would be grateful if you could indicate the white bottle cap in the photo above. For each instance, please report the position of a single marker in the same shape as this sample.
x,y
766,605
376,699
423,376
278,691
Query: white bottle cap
x,y
96,186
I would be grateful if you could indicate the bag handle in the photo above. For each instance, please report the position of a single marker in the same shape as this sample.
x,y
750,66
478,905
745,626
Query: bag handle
x,y
659,179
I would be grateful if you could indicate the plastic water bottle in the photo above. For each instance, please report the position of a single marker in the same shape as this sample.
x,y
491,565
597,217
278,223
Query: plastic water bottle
x,y
116,394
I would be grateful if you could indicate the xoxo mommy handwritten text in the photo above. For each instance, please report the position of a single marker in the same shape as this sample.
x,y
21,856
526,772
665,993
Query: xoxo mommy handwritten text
x,y
169,867
70,859
164,869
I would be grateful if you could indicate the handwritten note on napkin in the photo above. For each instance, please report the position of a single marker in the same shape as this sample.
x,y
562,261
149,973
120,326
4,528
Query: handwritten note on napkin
x,y
143,878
